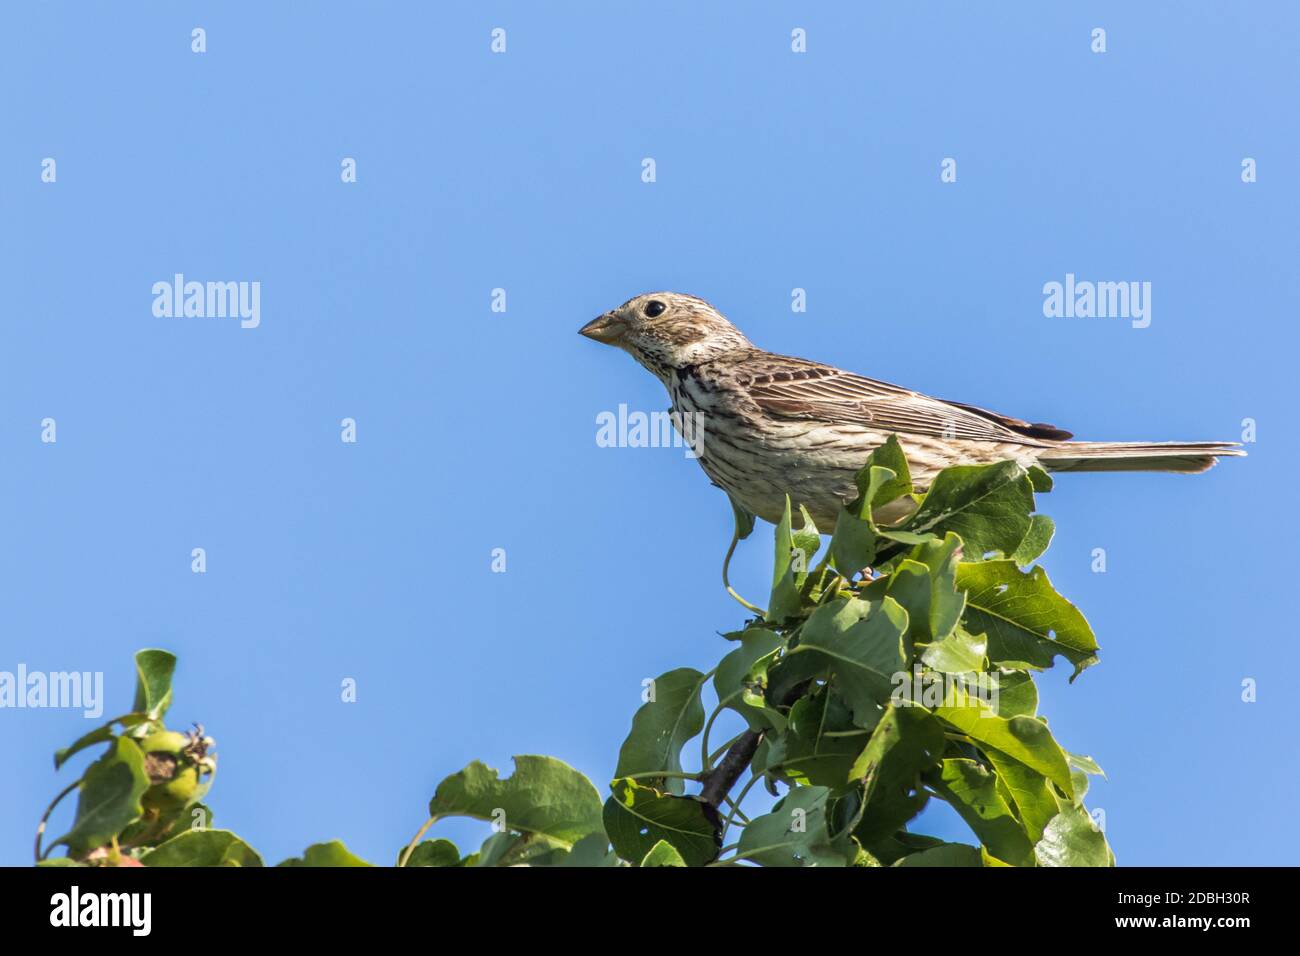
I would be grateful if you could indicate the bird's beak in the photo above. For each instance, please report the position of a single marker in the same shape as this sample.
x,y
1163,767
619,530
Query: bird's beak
x,y
607,328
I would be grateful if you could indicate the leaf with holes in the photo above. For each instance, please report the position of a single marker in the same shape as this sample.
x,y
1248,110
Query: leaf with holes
x,y
637,817
1026,622
907,741
793,834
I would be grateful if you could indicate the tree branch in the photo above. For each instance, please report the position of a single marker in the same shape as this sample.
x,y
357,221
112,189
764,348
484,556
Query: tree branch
x,y
719,781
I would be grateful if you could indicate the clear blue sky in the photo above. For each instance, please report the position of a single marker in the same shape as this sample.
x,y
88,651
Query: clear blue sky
x,y
476,430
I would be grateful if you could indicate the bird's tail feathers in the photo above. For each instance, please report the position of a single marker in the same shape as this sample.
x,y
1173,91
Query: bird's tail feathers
x,y
1184,457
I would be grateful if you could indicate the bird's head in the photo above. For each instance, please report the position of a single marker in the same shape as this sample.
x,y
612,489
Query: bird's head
x,y
665,330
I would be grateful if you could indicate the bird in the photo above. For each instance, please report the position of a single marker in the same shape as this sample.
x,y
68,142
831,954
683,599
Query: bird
x,y
769,425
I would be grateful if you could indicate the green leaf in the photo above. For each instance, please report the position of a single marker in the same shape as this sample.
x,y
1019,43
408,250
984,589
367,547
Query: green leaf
x,y
432,853
743,667
663,853
859,643
109,798
941,558
1072,839
1027,623
203,848
744,520
785,601
883,479
959,653
925,584
949,854
817,583
636,818
988,506
1036,540
853,544
972,791
890,457
544,796
1039,479
1017,694
1026,739
872,483
661,727
520,849
806,754
807,542
494,850
151,830
153,689
907,741
591,851
1032,797
892,848
1081,783
793,834
1086,764
909,585
1080,769
98,736
333,853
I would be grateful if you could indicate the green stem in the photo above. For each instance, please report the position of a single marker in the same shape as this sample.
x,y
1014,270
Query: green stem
x,y
731,817
726,582
706,759
674,774
736,812
410,847
40,828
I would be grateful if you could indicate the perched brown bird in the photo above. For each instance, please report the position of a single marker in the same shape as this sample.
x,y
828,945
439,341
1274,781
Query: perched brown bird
x,y
773,424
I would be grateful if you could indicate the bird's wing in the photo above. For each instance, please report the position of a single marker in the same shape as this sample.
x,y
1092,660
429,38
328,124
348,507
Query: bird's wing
x,y
796,388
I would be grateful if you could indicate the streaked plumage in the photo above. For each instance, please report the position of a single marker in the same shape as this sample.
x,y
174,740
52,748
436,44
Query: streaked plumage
x,y
773,424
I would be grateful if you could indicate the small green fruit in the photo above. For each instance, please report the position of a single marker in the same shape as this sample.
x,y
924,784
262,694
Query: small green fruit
x,y
165,741
175,763
176,792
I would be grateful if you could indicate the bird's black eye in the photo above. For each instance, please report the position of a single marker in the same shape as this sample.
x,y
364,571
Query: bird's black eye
x,y
654,307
